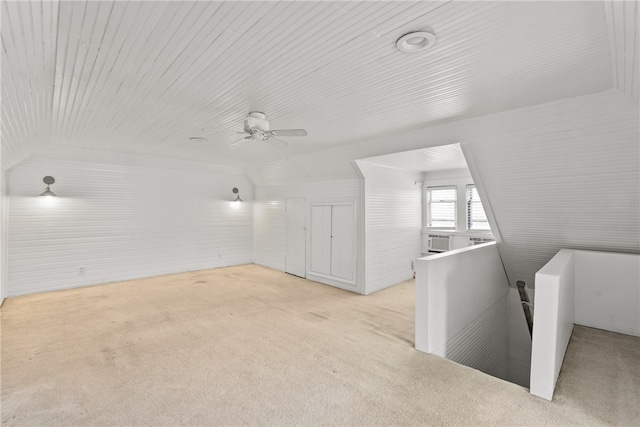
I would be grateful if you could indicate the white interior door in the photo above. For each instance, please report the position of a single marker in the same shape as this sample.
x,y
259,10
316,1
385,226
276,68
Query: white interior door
x,y
321,239
295,260
342,241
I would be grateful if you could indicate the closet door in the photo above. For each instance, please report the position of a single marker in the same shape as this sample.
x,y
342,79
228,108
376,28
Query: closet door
x,y
321,239
342,241
295,260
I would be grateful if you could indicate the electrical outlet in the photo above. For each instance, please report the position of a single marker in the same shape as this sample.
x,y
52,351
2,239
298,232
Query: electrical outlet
x,y
219,255
81,269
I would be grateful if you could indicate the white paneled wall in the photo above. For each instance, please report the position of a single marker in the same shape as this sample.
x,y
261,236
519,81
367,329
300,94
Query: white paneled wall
x,y
567,180
599,305
461,308
269,217
553,319
115,223
393,220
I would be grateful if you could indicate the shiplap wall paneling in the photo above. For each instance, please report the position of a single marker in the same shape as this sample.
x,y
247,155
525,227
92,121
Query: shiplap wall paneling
x,y
564,181
393,219
296,245
114,223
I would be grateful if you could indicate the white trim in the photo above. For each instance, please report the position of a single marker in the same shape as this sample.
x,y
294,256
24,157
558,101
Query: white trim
x,y
332,280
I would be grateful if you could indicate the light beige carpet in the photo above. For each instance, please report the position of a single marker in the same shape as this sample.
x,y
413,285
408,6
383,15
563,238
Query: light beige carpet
x,y
249,345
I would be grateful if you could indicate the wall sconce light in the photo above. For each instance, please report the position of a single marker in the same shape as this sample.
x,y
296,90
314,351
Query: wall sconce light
x,y
237,192
47,192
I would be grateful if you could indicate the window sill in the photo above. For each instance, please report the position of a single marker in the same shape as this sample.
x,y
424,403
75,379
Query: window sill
x,y
474,233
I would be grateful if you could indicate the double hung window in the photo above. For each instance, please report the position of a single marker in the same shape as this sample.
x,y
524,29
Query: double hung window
x,y
441,207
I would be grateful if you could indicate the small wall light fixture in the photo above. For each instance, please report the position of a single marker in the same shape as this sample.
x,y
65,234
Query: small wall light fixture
x,y
47,192
237,193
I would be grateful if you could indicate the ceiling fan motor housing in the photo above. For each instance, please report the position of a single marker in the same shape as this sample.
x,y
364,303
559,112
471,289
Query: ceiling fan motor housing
x,y
256,120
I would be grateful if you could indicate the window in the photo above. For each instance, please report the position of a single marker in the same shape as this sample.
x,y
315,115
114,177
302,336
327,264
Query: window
x,y
441,207
476,218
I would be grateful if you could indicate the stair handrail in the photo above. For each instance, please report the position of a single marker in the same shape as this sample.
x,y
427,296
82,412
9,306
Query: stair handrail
x,y
526,305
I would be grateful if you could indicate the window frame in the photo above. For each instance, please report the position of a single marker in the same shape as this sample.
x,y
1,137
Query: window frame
x,y
469,201
428,206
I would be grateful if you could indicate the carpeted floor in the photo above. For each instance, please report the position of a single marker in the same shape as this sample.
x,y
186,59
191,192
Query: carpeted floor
x,y
251,346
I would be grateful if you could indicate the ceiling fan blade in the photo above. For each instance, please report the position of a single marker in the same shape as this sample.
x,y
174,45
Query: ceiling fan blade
x,y
240,142
278,143
289,132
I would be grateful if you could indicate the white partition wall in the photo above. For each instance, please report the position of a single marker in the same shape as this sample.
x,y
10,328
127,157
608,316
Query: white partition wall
x,y
461,308
589,288
393,219
552,322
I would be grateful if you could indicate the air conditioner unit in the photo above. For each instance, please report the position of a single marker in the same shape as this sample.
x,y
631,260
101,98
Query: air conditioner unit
x,y
438,243
479,240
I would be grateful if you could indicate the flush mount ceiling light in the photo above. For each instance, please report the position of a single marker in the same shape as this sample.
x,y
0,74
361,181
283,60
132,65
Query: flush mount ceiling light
x,y
418,41
237,192
47,192
198,139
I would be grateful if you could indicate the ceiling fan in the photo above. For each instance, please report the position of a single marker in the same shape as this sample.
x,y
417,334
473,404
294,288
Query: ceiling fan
x,y
256,127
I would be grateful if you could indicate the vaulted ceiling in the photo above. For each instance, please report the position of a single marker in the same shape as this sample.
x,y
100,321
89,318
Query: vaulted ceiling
x,y
441,157
143,77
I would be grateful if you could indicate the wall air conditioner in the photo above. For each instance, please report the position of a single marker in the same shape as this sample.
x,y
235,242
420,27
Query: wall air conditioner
x,y
479,240
438,243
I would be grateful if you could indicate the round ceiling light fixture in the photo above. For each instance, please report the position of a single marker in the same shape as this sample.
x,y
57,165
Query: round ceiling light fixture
x,y
198,139
417,41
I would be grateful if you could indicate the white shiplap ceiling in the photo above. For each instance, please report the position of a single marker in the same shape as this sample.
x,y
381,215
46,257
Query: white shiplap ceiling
x,y
438,158
143,77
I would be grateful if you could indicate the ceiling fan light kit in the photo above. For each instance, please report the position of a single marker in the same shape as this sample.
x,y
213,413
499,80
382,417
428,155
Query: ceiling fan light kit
x,y
256,128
